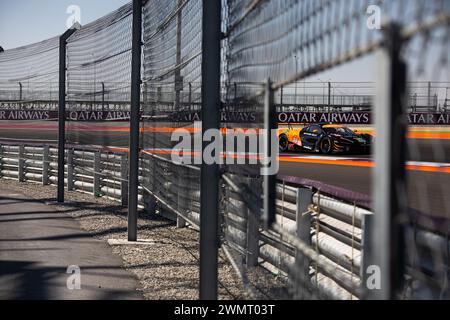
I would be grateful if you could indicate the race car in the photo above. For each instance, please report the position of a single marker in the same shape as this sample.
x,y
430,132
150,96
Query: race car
x,y
324,138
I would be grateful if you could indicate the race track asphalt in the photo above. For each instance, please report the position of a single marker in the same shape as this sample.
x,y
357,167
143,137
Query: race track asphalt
x,y
427,191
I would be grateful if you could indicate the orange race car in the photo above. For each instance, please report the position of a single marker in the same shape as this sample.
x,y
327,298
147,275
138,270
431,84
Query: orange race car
x,y
324,138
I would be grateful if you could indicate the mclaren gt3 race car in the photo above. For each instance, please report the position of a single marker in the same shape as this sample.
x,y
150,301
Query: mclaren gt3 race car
x,y
324,138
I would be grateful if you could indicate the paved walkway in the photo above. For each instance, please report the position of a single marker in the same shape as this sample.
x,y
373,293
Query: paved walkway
x,y
38,244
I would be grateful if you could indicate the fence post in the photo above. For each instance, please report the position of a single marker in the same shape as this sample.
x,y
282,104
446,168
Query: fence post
x,y
97,186
45,164
133,161
389,187
103,97
62,109
20,91
181,223
21,164
253,225
303,219
1,159
270,180
209,180
178,78
329,96
124,179
281,98
70,169
366,226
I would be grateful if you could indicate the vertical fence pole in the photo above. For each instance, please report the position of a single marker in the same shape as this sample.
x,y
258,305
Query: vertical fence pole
x,y
190,96
21,91
70,168
269,180
178,79
303,219
281,98
97,186
366,227
45,164
62,110
124,179
1,158
21,164
134,121
182,203
209,181
103,97
253,224
329,96
389,187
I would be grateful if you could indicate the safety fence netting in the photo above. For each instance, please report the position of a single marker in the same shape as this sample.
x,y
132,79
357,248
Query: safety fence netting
x,y
263,41
98,87
172,35
29,74
427,219
98,81
29,90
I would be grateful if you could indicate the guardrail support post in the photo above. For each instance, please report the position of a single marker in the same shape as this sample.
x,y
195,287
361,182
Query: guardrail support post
x,y
124,179
133,162
62,110
21,91
1,160
97,186
209,180
253,224
366,226
45,164
389,186
181,223
304,225
70,169
21,164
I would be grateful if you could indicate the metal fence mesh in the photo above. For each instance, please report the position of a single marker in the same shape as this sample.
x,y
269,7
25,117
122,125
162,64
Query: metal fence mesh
x,y
263,39
30,73
171,87
99,61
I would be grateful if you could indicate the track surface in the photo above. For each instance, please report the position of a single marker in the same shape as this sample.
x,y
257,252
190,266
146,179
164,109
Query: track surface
x,y
427,188
429,146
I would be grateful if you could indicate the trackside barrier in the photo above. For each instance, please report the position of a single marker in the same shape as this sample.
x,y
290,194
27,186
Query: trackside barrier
x,y
319,231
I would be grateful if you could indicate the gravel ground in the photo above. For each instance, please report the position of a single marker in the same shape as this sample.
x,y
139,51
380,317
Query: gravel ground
x,y
167,268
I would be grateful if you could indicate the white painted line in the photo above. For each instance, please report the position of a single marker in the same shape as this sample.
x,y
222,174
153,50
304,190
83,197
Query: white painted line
x,y
120,242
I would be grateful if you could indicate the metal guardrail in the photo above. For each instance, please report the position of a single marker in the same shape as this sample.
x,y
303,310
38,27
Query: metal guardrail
x,y
327,223
319,234
328,220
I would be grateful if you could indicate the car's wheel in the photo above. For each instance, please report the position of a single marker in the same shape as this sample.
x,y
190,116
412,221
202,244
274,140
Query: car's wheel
x,y
326,146
284,143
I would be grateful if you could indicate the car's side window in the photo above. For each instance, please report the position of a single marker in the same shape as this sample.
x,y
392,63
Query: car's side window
x,y
316,130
